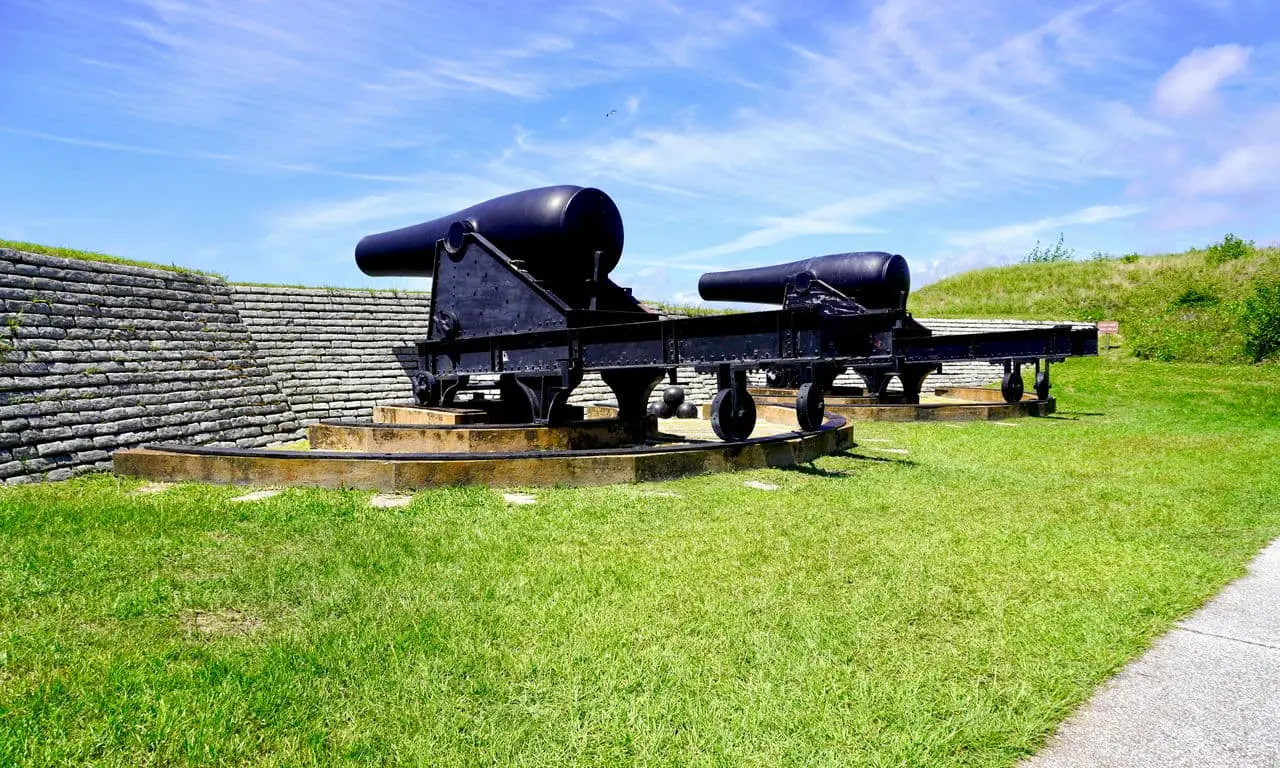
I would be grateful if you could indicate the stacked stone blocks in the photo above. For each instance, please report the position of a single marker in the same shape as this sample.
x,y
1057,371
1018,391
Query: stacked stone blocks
x,y
96,356
334,352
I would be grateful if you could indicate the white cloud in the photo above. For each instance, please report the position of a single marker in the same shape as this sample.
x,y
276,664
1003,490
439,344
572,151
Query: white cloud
x,y
1021,232
1191,86
1239,171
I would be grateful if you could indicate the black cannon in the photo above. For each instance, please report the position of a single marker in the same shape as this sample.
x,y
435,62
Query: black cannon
x,y
521,289
556,231
871,278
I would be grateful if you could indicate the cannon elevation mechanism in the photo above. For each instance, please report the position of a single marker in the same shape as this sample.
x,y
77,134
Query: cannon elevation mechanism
x,y
521,289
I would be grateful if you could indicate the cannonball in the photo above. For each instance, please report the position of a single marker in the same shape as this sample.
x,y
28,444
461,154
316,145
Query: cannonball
x,y
687,410
662,410
673,396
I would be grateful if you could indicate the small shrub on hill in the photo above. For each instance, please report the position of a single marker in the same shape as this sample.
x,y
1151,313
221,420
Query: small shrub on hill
x,y
1195,296
1229,249
1260,323
1057,252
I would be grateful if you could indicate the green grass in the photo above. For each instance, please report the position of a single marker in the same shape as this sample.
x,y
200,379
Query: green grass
x,y
329,287
946,607
71,253
1187,306
687,310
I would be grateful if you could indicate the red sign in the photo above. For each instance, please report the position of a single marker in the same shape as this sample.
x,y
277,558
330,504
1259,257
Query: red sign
x,y
1109,326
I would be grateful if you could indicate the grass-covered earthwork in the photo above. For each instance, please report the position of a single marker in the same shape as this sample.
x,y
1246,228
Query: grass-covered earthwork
x,y
1219,304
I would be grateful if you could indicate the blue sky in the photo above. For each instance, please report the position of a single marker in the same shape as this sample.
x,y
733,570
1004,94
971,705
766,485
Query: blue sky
x,y
263,138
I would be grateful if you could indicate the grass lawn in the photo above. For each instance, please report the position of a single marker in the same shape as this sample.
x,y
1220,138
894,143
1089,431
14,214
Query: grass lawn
x,y
944,606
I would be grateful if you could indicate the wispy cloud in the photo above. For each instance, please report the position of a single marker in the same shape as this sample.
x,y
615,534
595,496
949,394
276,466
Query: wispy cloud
x,y
238,160
1025,231
730,131
913,98
291,78
839,218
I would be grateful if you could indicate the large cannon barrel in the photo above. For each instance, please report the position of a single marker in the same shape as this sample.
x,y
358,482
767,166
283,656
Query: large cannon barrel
x,y
556,231
874,279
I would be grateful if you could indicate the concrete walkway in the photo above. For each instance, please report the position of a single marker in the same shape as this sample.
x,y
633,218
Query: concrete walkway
x,y
1206,694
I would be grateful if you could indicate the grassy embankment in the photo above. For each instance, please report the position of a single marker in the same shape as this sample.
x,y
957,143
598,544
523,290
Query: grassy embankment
x,y
1200,306
71,253
943,596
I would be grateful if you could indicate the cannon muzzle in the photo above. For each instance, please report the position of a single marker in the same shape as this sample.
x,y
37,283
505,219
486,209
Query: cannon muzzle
x,y
874,279
556,231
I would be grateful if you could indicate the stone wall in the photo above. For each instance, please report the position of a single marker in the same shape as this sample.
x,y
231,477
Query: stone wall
x,y
335,353
95,357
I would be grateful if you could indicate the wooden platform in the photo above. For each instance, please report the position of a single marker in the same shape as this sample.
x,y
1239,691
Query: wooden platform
x,y
689,452
464,412
477,438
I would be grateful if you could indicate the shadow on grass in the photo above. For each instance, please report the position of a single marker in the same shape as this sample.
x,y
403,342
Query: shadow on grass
x,y
810,469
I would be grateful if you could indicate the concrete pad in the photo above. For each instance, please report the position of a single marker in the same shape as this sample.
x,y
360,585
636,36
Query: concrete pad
x,y
759,486
390,500
1249,609
519,498
150,488
1206,694
255,496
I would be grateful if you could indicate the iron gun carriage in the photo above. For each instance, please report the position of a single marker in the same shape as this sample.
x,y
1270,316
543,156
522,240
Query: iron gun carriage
x,y
521,290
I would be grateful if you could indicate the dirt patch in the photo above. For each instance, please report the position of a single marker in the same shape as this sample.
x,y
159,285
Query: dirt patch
x,y
256,496
227,622
390,500
198,576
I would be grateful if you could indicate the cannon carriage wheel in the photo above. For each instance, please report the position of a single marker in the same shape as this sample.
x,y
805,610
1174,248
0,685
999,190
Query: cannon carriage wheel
x,y
811,407
1011,383
733,414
